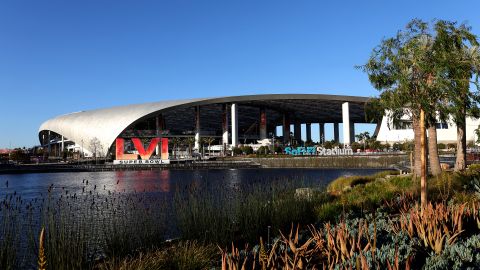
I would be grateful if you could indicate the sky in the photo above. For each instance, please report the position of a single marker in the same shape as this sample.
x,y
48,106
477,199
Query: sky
x,y
58,57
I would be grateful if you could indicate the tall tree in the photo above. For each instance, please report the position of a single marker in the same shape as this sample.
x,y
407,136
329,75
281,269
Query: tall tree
x,y
460,60
402,69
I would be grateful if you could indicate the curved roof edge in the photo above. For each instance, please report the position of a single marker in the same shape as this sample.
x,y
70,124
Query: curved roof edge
x,y
107,124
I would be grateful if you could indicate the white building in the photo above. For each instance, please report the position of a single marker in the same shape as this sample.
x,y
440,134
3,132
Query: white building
x,y
446,132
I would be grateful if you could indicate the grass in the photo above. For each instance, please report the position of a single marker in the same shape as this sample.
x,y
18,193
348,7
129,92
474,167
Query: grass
x,y
347,182
214,215
183,255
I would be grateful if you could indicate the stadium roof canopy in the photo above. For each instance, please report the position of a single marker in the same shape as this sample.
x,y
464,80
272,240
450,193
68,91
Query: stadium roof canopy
x,y
107,124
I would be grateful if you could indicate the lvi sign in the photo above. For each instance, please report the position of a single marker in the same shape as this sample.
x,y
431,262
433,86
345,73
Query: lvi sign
x,y
145,154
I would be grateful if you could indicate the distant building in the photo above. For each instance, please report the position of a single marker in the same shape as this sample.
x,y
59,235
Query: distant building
x,y
402,131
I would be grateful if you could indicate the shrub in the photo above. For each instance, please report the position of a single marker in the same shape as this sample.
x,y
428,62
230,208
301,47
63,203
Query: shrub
x,y
330,144
247,150
355,146
397,146
344,183
408,146
263,150
451,146
441,146
237,151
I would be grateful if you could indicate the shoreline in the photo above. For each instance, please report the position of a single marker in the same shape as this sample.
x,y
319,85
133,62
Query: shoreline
x,y
347,162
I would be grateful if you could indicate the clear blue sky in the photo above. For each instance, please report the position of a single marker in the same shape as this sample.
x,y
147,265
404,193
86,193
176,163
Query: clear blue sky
x,y
64,56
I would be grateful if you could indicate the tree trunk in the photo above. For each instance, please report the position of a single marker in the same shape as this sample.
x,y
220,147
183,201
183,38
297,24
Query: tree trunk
x,y
433,151
423,178
461,161
417,166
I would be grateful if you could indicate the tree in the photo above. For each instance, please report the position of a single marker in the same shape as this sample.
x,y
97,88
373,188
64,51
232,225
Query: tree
x,y
363,138
477,134
19,155
176,141
189,141
208,141
461,63
96,147
402,68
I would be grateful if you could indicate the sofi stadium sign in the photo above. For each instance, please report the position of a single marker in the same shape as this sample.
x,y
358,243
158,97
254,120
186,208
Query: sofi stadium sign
x,y
144,155
317,151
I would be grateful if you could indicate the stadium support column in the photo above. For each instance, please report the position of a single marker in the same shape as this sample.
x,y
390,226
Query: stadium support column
x,y
348,131
308,127
197,128
336,136
263,124
234,112
159,125
63,145
286,128
297,131
225,126
48,144
321,139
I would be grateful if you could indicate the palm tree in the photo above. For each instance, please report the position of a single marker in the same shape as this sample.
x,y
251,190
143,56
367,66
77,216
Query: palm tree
x,y
363,138
176,141
189,141
209,141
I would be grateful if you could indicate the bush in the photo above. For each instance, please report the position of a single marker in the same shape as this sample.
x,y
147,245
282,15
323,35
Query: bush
x,y
247,150
355,146
441,146
343,183
263,150
451,146
397,146
408,146
237,151
330,144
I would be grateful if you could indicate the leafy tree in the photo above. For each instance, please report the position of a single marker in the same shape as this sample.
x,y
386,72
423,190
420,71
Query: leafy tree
x,y
461,62
402,68
477,134
19,155
96,147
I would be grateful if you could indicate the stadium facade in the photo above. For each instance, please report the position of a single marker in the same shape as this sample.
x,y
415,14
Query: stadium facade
x,y
144,129
229,121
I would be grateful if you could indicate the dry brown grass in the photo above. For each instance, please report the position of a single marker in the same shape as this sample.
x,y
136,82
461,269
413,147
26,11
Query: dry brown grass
x,y
182,255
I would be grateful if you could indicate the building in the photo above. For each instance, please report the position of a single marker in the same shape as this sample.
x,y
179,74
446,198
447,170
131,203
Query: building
x,y
228,120
402,131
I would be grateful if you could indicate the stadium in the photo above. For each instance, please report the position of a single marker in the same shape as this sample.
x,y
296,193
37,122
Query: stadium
x,y
226,121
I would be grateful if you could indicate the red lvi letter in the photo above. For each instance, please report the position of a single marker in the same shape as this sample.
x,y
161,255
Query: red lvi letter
x,y
119,148
145,154
164,148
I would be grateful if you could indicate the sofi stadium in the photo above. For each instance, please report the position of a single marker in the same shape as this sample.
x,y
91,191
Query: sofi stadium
x,y
119,132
